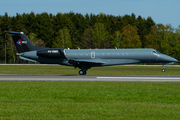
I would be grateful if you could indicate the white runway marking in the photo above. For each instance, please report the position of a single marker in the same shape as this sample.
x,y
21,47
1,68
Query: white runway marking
x,y
141,78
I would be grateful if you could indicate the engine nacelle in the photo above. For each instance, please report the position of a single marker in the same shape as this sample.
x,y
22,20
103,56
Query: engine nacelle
x,y
51,53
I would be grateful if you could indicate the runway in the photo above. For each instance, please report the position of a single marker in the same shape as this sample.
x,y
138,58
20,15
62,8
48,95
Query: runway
x,y
90,78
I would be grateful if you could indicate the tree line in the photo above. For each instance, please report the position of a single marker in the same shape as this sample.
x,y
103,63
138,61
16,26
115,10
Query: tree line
x,y
70,30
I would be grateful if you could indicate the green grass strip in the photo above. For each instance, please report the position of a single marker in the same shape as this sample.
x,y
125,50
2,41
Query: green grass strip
x,y
89,100
65,70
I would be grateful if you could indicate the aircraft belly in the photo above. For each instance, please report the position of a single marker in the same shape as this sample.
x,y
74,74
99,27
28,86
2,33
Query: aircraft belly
x,y
53,61
120,62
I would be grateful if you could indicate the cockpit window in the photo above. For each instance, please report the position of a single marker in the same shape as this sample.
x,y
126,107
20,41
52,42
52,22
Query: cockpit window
x,y
154,53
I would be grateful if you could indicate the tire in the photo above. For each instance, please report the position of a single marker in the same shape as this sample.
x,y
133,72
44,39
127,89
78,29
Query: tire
x,y
81,72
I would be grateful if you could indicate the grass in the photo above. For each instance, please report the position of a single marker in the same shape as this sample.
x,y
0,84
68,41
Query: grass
x,y
89,100
113,70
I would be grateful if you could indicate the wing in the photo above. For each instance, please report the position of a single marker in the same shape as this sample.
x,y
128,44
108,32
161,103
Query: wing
x,y
88,63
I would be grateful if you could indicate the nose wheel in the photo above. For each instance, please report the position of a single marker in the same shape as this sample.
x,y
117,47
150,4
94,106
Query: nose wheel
x,y
163,70
82,72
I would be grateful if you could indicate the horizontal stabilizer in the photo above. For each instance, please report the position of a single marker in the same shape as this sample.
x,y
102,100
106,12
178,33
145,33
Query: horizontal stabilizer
x,y
24,58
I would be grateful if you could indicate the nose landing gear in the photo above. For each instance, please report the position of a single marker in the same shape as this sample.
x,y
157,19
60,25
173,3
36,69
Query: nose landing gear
x,y
163,70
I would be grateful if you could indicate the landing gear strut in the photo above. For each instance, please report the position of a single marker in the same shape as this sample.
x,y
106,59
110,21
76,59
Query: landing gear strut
x,y
82,72
163,70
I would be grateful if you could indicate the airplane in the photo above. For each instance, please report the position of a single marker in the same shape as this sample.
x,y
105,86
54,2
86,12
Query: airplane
x,y
84,59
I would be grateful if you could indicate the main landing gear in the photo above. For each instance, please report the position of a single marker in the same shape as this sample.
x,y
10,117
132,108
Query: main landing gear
x,y
82,72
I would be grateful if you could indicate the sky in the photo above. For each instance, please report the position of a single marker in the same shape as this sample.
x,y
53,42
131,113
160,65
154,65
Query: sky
x,y
161,11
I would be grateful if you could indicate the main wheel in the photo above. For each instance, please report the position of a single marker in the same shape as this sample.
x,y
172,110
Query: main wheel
x,y
84,72
81,72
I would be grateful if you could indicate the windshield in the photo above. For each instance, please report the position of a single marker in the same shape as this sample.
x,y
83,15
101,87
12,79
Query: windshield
x,y
158,52
154,53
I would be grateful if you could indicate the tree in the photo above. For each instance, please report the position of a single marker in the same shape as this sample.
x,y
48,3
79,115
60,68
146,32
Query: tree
x,y
5,26
168,39
152,39
1,44
149,23
86,40
130,38
142,29
177,51
17,22
31,22
69,23
117,37
32,37
11,50
45,27
63,40
90,31
38,42
100,35
178,32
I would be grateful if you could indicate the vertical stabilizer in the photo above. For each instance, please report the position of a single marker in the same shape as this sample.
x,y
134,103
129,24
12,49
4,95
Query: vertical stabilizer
x,y
22,43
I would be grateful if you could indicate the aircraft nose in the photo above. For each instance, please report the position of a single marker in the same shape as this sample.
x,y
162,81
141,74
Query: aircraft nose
x,y
167,58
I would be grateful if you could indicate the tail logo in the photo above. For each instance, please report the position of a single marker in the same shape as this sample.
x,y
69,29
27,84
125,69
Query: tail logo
x,y
19,42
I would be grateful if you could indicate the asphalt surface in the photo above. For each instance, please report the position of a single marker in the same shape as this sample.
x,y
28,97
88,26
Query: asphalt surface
x,y
90,78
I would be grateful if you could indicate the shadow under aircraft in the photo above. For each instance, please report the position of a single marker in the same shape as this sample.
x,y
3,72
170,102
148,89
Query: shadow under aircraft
x,y
84,59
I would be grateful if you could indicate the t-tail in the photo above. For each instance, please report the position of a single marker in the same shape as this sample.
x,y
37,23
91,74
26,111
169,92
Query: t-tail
x,y
22,43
